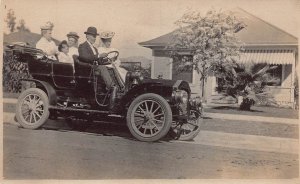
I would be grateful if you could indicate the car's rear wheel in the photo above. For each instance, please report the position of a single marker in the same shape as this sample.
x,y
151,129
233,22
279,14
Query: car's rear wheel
x,y
32,108
149,117
188,131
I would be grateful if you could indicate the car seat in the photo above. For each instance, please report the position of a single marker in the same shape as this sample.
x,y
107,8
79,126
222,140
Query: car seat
x,y
81,68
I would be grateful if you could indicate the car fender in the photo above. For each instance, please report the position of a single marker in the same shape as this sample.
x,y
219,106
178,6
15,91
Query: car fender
x,y
45,86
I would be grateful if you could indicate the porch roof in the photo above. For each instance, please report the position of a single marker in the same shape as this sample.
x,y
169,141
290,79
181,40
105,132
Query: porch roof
x,y
277,57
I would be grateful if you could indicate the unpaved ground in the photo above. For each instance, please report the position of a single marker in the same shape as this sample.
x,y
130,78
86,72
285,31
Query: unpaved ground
x,y
62,154
108,151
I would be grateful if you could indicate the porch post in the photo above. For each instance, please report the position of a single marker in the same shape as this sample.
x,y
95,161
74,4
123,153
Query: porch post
x,y
293,80
171,68
152,68
282,75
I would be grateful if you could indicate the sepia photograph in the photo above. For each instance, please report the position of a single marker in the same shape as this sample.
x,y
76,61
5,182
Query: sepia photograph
x,y
150,90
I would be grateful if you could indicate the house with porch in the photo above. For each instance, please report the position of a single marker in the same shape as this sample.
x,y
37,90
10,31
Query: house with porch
x,y
264,44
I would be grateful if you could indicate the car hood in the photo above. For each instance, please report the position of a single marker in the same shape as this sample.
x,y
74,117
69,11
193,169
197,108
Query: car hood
x,y
175,84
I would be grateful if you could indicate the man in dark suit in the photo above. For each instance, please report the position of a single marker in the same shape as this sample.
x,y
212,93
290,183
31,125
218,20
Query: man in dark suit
x,y
89,54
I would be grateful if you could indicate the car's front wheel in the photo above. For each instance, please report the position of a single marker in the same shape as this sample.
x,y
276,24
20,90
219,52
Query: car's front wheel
x,y
189,130
32,108
149,117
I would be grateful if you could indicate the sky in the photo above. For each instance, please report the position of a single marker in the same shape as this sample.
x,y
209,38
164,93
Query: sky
x,y
136,21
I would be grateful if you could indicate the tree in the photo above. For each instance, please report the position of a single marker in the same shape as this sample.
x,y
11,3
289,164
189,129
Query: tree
x,y
210,39
22,27
11,20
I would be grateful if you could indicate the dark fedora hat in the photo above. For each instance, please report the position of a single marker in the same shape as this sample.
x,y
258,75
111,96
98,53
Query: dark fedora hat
x,y
92,31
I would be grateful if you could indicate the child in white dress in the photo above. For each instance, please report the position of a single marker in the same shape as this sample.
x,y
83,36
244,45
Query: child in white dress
x,y
63,55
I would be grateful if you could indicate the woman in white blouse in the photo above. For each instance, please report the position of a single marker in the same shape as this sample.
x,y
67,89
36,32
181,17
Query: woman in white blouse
x,y
106,38
46,42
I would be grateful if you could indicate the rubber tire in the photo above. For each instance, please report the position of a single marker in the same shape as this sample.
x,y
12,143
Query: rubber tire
x,y
45,115
193,134
168,112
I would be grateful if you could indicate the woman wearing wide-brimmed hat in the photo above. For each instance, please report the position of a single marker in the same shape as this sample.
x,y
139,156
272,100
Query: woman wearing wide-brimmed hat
x,y
46,43
105,47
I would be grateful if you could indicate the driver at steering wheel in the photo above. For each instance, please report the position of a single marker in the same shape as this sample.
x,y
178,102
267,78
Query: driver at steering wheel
x,y
89,54
106,39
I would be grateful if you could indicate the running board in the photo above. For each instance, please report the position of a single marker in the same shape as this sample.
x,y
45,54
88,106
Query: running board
x,y
78,110
115,115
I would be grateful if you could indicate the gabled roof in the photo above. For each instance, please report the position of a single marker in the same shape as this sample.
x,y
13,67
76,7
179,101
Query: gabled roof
x,y
24,36
257,32
161,41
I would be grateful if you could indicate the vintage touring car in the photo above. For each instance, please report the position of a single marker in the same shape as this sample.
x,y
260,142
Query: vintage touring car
x,y
151,107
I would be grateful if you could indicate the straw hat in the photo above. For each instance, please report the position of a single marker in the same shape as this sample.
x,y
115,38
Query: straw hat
x,y
106,34
47,26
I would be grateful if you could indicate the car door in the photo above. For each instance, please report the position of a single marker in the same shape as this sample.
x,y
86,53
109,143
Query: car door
x,y
63,76
40,69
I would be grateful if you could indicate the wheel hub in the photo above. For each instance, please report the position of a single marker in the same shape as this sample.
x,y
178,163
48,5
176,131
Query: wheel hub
x,y
32,107
149,116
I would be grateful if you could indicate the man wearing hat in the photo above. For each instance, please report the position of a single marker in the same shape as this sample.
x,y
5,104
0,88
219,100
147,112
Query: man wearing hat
x,y
89,54
72,42
46,43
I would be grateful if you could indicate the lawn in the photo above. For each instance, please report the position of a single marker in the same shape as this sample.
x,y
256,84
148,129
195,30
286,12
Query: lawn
x,y
255,111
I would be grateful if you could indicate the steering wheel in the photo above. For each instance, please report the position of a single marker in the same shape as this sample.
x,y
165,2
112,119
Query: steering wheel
x,y
112,56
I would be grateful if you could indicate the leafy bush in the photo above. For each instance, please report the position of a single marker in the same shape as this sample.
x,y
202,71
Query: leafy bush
x,y
13,71
246,104
249,81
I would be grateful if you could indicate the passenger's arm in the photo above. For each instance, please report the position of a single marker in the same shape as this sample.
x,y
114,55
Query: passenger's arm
x,y
83,56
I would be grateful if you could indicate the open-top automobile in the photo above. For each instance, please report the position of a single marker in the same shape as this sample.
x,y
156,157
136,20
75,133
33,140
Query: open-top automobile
x,y
151,107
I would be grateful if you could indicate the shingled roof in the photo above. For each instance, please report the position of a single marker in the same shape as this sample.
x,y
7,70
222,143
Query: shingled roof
x,y
257,32
24,36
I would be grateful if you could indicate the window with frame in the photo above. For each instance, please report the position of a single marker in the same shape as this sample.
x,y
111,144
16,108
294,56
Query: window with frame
x,y
180,69
274,74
